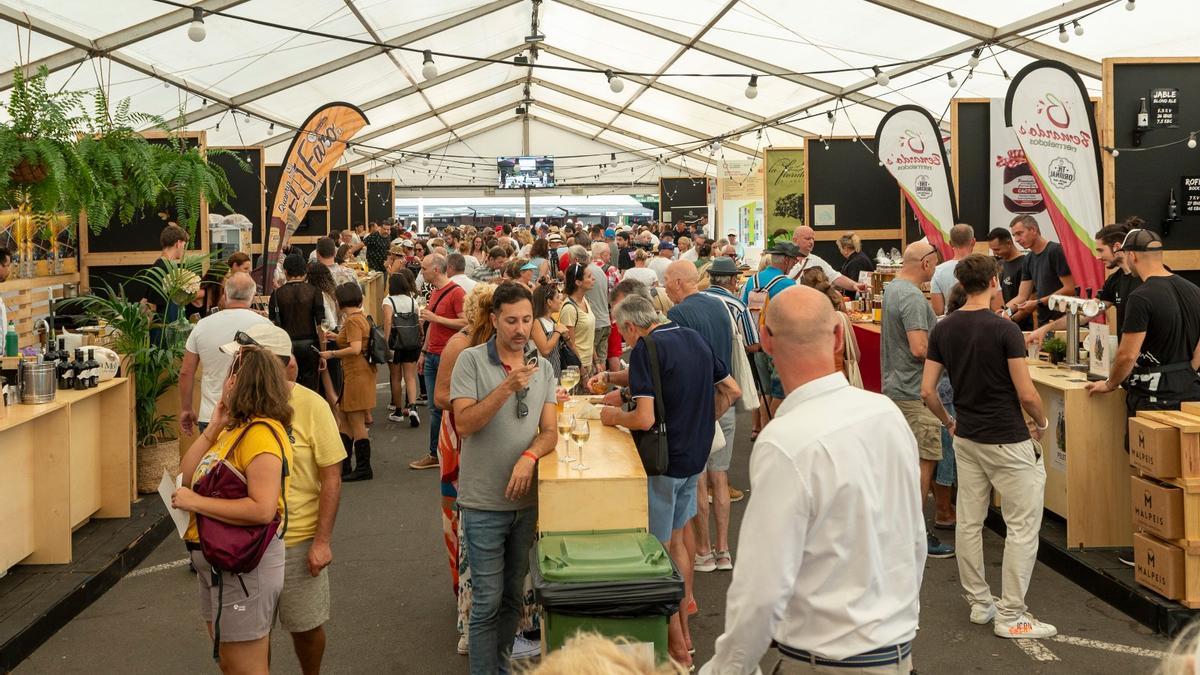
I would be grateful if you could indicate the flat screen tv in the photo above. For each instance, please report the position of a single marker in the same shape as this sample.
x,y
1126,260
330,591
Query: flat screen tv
x,y
526,172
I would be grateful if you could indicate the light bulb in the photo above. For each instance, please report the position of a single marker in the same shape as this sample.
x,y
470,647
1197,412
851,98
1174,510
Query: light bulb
x,y
1130,6
271,129
974,60
1116,153
752,88
1191,143
428,67
196,30
1078,28
881,77
615,83
1063,36
950,80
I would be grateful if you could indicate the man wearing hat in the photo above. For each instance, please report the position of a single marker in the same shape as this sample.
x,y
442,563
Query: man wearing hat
x,y
737,246
660,263
396,256
1159,351
770,282
314,488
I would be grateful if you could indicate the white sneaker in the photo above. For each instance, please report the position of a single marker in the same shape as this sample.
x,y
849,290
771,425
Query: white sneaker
x,y
705,563
982,614
1026,627
525,649
398,417
462,645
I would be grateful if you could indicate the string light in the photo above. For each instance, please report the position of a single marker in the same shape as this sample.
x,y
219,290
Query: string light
x,y
1078,28
1191,142
950,80
1130,6
752,88
271,129
615,83
196,30
881,77
428,67
974,60
1063,36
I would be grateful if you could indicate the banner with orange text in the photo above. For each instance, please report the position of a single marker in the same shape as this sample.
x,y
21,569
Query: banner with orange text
x,y
317,148
909,145
1053,119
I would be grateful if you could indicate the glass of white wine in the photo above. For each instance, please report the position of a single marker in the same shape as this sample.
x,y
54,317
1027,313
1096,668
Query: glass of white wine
x,y
570,377
565,422
580,432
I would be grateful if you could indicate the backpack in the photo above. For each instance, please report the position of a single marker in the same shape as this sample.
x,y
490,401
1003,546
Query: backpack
x,y
406,330
758,299
377,346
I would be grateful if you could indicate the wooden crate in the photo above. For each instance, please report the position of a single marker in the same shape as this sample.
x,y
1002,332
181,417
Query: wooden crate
x,y
1189,442
1167,569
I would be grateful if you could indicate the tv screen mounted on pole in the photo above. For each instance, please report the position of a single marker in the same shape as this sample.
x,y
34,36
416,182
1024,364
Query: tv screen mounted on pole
x,y
526,172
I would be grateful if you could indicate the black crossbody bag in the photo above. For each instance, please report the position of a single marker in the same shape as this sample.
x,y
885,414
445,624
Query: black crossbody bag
x,y
652,444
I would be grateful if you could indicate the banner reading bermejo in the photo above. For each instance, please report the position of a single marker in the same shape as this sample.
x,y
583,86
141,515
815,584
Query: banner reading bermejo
x,y
909,145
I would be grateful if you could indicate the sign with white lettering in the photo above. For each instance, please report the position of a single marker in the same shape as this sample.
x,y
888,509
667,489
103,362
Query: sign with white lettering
x,y
1164,107
1190,203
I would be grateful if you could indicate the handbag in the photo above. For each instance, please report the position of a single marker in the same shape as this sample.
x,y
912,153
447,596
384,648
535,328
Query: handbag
x,y
236,549
739,367
566,355
652,443
377,345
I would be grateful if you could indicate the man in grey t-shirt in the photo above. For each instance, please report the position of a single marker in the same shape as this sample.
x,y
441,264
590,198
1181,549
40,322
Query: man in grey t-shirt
x,y
503,395
904,339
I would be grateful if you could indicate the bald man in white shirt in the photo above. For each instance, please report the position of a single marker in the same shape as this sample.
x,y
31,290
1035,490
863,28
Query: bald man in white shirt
x,y
832,546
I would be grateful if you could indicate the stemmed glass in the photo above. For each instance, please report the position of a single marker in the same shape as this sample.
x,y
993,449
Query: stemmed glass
x,y
580,431
570,377
566,422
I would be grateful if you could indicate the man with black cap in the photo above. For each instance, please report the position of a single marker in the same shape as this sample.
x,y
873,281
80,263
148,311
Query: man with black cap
x,y
1160,342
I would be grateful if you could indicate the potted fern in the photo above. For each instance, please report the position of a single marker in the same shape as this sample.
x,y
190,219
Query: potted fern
x,y
152,351
189,179
123,162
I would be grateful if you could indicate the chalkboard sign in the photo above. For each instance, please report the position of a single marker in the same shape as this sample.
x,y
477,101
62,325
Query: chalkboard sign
x,y
381,202
1164,107
683,198
339,199
848,176
358,199
972,162
1190,202
314,224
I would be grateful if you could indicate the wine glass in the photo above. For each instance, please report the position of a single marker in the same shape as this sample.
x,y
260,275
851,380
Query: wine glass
x,y
570,377
565,422
580,432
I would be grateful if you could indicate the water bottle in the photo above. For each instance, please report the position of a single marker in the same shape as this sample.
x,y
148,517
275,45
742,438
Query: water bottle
x,y
10,340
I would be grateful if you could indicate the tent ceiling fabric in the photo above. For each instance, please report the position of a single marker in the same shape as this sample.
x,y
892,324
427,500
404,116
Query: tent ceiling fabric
x,y
466,114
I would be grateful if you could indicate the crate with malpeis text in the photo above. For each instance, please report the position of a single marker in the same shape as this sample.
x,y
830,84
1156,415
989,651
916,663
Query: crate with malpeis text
x,y
1164,448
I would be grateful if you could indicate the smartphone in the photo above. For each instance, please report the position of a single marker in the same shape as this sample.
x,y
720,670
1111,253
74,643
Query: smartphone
x,y
531,358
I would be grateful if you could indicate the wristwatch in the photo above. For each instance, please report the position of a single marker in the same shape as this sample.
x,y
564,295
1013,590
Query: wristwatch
x,y
625,395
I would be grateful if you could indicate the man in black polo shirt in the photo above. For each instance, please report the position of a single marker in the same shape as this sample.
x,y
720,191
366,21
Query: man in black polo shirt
x,y
377,247
1012,269
1046,272
1160,345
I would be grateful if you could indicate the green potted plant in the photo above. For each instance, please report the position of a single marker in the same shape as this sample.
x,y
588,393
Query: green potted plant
x,y
152,351
188,177
1056,348
124,164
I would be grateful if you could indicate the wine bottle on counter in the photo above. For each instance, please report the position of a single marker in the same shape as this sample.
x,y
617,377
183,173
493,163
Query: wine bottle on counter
x,y
93,369
80,368
66,372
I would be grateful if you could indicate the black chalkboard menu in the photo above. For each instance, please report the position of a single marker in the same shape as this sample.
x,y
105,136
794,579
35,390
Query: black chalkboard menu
x,y
1164,107
1189,202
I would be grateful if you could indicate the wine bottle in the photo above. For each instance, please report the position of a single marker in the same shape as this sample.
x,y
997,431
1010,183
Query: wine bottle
x,y
1143,116
1172,208
93,369
80,371
66,373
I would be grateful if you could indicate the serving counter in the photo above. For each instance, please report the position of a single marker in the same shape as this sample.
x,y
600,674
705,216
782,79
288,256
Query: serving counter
x,y
64,462
609,495
1087,467
374,288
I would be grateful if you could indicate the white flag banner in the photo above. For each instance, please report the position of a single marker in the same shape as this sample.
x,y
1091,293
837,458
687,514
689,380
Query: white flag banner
x,y
1012,189
1049,111
909,145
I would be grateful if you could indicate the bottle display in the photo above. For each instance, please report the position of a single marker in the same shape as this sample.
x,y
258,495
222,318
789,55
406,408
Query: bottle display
x,y
92,369
66,373
80,374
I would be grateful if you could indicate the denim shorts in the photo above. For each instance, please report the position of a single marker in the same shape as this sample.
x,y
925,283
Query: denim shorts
x,y
672,503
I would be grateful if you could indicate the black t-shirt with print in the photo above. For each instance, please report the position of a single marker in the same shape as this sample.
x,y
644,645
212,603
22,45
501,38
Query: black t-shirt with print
x,y
1116,291
1012,273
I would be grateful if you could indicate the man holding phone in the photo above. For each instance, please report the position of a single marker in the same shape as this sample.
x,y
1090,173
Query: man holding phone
x,y
504,397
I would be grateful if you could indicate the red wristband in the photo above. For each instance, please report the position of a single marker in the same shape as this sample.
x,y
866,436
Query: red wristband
x,y
530,455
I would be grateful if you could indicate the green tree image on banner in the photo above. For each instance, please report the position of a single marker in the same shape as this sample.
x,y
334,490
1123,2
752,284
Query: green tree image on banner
x,y
784,192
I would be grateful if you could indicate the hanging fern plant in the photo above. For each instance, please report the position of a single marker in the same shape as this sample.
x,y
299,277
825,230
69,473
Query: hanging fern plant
x,y
39,159
189,177
122,160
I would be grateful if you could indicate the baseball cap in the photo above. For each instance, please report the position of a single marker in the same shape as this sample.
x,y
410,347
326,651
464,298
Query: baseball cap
x,y
529,266
610,232
666,246
408,243
554,236
722,267
268,336
1141,240
785,248
396,248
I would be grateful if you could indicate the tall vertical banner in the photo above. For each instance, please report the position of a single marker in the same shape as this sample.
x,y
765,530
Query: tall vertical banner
x,y
783,191
1012,189
1055,123
316,149
909,144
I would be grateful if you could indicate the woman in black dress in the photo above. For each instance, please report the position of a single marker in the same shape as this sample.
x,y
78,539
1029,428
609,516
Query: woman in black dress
x,y
299,308
856,261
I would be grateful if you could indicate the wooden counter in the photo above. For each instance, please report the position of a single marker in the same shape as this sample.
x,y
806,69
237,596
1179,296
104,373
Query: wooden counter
x,y
374,288
610,495
1087,467
65,462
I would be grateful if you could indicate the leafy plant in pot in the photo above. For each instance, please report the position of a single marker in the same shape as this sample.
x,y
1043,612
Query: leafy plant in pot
x,y
1056,348
152,351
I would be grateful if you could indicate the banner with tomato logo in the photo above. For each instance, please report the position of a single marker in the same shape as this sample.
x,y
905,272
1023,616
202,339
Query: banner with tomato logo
x,y
910,147
1055,123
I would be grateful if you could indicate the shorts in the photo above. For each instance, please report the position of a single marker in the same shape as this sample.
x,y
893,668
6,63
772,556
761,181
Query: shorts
x,y
304,603
768,378
246,614
406,355
720,459
926,428
672,503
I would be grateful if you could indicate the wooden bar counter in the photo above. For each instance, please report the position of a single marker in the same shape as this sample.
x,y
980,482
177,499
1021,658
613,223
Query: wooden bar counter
x,y
1087,467
65,462
610,495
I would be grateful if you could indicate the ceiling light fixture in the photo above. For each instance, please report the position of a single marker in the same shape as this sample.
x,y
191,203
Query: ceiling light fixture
x,y
1078,28
196,30
752,88
615,83
974,60
881,77
428,67
950,80
1063,36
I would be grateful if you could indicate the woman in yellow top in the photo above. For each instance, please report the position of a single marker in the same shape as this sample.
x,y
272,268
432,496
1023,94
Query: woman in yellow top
x,y
254,401
358,377
576,315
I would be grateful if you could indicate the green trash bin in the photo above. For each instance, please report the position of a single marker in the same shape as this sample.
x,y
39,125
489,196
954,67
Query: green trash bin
x,y
617,584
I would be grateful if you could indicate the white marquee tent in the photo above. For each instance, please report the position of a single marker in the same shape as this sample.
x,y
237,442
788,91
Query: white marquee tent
x,y
253,77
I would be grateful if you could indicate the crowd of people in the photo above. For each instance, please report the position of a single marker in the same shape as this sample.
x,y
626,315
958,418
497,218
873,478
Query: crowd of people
x,y
480,325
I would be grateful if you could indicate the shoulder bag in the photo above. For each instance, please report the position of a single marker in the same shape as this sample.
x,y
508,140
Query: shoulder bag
x,y
377,344
652,444
566,355
406,328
